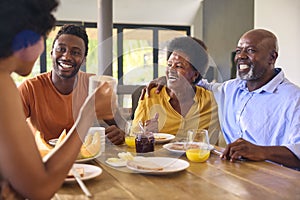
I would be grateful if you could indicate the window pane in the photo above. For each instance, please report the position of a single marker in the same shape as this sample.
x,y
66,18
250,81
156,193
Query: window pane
x,y
92,58
49,42
164,36
35,71
137,56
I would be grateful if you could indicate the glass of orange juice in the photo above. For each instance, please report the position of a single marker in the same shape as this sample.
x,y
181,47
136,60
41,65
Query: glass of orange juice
x,y
129,135
197,145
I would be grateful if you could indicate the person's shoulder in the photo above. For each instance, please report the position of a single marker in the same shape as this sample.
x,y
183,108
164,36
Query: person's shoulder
x,y
233,82
213,86
202,92
289,88
85,74
230,86
38,79
161,93
201,89
288,83
153,96
287,94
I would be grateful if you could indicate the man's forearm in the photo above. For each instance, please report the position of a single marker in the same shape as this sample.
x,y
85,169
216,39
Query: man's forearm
x,y
282,155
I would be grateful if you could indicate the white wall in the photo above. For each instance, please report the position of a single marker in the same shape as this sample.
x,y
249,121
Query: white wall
x,y
224,21
282,17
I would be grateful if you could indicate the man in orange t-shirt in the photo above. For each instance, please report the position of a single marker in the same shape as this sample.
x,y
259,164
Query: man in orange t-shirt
x,y
52,100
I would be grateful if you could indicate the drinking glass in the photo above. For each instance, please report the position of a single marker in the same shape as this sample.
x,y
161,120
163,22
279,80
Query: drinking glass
x,y
197,145
130,135
95,81
106,97
144,140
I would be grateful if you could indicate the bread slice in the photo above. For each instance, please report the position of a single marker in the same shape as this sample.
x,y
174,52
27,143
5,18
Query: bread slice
x,y
176,146
144,164
79,170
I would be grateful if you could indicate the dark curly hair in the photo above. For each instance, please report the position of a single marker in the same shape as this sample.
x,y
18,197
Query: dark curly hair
x,y
23,22
195,49
73,30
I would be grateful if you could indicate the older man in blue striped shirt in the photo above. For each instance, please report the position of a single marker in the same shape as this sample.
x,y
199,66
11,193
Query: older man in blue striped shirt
x,y
259,110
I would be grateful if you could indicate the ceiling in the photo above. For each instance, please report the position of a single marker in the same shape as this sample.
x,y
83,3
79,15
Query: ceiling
x,y
167,12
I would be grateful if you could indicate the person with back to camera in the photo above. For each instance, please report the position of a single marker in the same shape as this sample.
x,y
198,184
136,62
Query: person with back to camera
x,y
260,109
182,105
23,173
65,85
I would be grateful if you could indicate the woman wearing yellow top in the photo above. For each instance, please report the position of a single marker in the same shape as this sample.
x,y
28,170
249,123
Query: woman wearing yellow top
x,y
181,104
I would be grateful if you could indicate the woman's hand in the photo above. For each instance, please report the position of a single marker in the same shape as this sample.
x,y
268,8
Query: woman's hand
x,y
151,125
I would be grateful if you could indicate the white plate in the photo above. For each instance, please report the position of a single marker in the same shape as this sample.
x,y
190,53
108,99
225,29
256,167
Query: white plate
x,y
163,137
117,163
88,159
90,171
170,165
170,147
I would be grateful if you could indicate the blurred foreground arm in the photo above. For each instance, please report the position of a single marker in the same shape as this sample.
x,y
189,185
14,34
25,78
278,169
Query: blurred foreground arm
x,y
37,178
106,109
105,102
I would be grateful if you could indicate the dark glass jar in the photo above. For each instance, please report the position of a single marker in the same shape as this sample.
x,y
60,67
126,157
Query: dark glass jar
x,y
144,143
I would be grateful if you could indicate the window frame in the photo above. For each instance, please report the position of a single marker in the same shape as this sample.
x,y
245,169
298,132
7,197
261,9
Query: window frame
x,y
120,27
155,32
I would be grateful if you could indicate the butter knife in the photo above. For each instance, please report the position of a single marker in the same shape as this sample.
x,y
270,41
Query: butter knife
x,y
80,182
219,153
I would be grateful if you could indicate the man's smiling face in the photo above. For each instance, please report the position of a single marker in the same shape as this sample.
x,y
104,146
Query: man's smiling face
x,y
68,54
253,57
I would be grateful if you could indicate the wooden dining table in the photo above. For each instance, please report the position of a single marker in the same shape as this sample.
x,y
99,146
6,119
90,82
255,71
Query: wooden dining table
x,y
213,179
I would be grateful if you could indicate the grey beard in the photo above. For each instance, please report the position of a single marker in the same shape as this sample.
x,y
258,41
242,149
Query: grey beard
x,y
249,76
